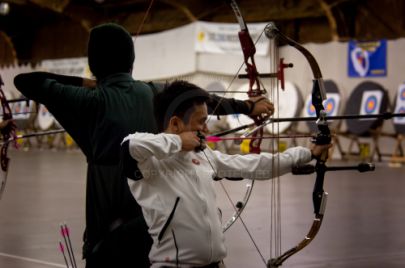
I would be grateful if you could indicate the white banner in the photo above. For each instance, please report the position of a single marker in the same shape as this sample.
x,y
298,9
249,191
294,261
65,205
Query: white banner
x,y
223,38
73,67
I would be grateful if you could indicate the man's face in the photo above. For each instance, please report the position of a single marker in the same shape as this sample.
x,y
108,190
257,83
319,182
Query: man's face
x,y
198,119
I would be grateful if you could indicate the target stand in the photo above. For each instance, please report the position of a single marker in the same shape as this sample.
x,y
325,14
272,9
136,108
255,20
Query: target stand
x,y
368,98
24,114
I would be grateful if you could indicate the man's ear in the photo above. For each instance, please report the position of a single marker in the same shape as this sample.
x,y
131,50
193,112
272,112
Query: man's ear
x,y
176,124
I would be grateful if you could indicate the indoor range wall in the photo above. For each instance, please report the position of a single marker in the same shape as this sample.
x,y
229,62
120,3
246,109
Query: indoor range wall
x,y
163,57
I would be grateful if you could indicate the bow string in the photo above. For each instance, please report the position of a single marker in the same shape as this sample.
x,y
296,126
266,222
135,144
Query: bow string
x,y
319,196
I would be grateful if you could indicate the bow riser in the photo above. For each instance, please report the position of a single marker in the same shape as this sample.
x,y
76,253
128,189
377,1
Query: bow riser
x,y
318,194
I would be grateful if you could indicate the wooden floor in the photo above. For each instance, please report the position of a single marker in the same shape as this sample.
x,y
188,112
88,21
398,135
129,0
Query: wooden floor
x,y
363,226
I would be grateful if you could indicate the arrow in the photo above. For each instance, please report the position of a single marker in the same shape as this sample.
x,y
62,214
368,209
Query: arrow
x,y
218,139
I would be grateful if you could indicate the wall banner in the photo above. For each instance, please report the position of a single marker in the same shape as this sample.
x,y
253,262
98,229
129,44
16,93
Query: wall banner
x,y
367,59
72,66
223,38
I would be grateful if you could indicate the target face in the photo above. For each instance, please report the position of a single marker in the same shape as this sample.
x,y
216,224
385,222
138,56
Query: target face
x,y
371,102
400,105
331,105
45,118
400,120
310,110
367,98
402,93
21,111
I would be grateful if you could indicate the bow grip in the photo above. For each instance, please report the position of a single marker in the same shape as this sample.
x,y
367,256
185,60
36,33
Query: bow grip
x,y
303,170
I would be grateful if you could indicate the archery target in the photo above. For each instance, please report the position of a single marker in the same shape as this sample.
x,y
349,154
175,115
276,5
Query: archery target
x,y
370,102
367,98
331,104
399,122
20,110
309,108
45,119
236,120
24,113
287,104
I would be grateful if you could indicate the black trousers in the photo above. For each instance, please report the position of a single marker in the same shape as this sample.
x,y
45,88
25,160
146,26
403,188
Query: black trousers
x,y
127,246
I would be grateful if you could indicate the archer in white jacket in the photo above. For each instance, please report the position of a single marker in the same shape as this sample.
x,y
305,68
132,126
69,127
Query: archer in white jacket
x,y
176,191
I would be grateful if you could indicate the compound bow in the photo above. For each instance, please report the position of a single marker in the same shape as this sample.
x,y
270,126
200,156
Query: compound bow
x,y
319,196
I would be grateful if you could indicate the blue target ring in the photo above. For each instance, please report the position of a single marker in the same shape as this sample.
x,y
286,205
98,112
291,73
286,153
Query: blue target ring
x,y
371,104
402,94
311,109
330,105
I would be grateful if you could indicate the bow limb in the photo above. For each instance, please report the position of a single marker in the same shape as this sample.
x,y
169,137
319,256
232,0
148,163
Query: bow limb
x,y
249,50
323,136
7,132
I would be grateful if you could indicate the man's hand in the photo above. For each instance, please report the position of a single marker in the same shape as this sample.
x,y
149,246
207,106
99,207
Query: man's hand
x,y
318,150
190,141
260,106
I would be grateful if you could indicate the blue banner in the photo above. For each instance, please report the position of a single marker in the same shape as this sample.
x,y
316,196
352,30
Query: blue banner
x,y
367,59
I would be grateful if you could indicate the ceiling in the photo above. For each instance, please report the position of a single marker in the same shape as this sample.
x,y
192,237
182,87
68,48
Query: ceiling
x,y
33,30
